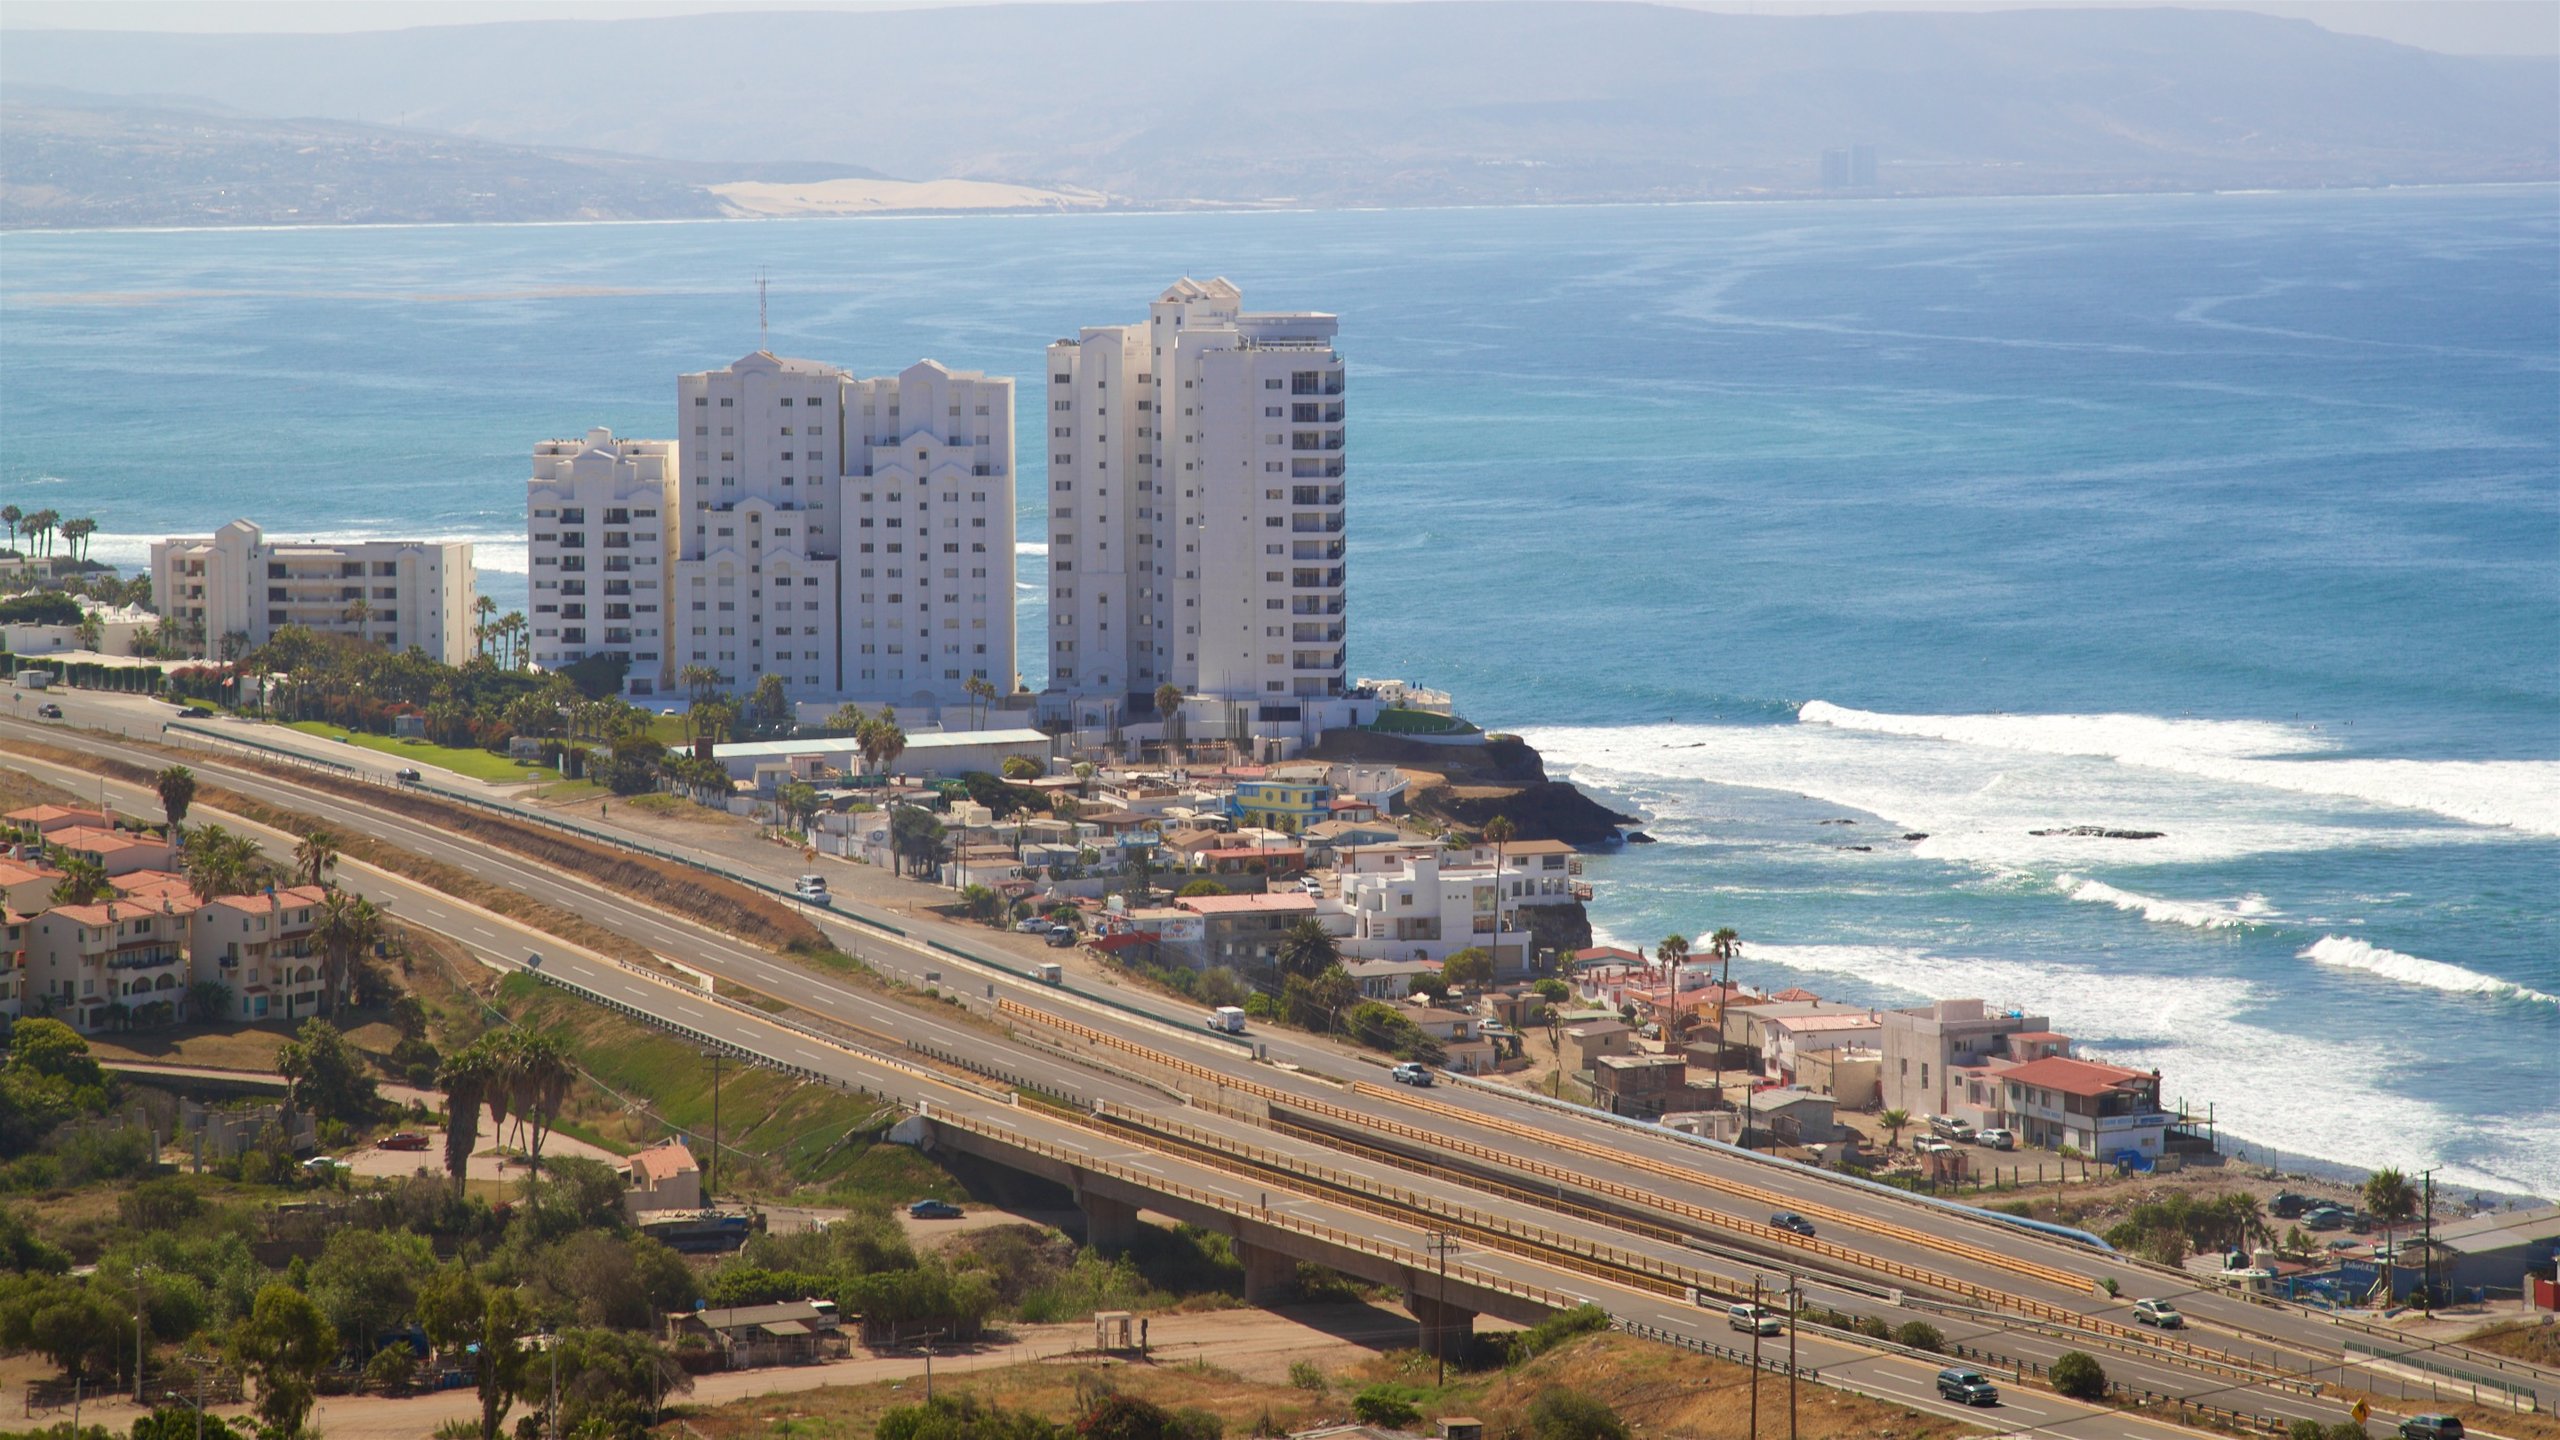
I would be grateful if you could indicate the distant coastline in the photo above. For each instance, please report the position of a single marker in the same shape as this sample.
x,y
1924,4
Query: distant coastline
x,y
1222,207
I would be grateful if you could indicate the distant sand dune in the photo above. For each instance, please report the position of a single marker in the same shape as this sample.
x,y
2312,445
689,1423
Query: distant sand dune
x,y
871,197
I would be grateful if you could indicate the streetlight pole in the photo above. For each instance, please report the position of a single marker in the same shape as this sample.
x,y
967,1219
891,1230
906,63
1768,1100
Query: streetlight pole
x,y
1439,1329
1792,1312
138,1334
2427,1241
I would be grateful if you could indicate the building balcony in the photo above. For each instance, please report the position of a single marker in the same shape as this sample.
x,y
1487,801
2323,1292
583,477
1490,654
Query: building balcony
x,y
143,959
1316,660
1329,526
1309,605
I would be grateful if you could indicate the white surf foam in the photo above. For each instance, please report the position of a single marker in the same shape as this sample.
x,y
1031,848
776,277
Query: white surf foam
x,y
2520,794
2195,913
1030,547
2346,953
1978,804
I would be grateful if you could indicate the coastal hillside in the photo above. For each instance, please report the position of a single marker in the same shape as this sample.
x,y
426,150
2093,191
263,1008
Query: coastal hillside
x,y
1374,104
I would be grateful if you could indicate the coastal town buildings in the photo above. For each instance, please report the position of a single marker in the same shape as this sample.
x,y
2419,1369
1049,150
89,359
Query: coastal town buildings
x,y
233,589
600,548
1196,470
1924,1047
853,536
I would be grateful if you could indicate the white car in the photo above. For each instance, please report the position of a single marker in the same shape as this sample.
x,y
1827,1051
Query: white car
x,y
2160,1313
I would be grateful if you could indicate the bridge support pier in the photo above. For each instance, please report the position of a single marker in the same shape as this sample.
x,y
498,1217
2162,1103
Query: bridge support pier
x,y
1269,1276
1109,1225
1446,1328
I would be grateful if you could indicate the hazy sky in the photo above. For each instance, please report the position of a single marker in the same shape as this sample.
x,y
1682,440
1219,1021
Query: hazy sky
x,y
2460,27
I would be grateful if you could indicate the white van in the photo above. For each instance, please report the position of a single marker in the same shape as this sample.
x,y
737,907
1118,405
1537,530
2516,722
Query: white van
x,y
1752,1319
812,890
1227,1020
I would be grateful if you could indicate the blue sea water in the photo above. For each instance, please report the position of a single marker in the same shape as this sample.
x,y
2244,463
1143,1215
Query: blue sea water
x,y
2235,518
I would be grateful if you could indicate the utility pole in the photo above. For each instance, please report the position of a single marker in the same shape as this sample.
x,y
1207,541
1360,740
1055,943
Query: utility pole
x,y
1438,1331
138,1333
1792,1312
711,1163
551,1420
1755,1357
2427,1241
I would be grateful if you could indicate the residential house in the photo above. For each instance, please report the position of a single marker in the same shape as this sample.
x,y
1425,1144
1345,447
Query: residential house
x,y
118,852
1581,1047
1923,1045
1852,1074
663,1177
2103,1111
1243,932
1291,805
1421,911
265,947
1785,1039
26,886
1387,979
37,821
1791,1115
88,964
1463,1045
1643,1086
794,1332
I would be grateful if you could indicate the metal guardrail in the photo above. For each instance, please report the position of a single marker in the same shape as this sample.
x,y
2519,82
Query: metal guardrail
x,y
2517,1397
1735,1354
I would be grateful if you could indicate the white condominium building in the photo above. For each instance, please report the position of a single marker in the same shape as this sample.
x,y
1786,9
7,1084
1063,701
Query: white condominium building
x,y
601,540
854,536
1196,505
393,593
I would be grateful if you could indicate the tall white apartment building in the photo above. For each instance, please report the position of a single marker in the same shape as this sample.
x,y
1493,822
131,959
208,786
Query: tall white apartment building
x,y
600,532
393,593
854,536
1196,505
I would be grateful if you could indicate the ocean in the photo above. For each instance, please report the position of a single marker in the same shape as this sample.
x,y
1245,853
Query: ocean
x,y
1803,528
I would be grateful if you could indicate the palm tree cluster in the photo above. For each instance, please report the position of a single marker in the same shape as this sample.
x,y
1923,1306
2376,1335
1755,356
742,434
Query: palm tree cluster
x,y
40,527
520,1073
500,639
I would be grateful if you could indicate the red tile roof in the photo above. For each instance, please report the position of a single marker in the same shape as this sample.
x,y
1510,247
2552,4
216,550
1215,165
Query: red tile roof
x,y
2072,1077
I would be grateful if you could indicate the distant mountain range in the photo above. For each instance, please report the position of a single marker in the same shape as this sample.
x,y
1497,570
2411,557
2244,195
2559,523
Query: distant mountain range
x,y
1253,103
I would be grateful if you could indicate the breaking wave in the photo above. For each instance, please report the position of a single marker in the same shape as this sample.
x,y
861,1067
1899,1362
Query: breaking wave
x,y
2247,910
2346,953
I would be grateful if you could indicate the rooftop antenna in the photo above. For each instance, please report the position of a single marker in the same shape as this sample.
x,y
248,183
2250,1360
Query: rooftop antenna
x,y
764,336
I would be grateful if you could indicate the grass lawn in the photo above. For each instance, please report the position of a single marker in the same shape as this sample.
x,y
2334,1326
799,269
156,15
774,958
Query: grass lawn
x,y
478,764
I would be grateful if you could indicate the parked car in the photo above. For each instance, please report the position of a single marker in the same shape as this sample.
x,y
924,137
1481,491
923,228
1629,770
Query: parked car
x,y
933,1210
2288,1206
1790,1220
1059,938
404,1140
406,777
48,711
322,1165
1033,926
2160,1313
1752,1319
533,959
1410,1073
2325,1217
1967,1387
195,712
2431,1427
1996,1138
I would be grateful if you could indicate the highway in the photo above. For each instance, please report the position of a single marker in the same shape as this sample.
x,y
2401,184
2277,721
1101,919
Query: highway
x,y
1735,1193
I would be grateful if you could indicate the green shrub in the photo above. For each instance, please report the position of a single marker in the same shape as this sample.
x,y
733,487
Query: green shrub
x,y
1570,1415
1304,1375
2078,1374
1385,1406
1920,1335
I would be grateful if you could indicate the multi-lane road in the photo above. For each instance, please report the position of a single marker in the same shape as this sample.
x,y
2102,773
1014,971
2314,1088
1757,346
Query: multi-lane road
x,y
2243,1356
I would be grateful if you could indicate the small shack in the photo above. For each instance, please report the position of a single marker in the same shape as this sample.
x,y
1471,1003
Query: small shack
x,y
794,1332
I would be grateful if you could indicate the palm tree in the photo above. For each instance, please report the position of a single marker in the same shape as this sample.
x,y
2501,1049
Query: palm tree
x,y
360,614
10,515
1169,710
464,1078
83,882
515,627
317,855
349,926
1894,1121
220,863
981,693
76,533
2393,1201
177,786
1498,832
39,526
538,1072
1308,950
485,630
980,902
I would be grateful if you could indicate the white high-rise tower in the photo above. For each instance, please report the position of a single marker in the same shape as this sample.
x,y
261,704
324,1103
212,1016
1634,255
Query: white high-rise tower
x,y
1196,505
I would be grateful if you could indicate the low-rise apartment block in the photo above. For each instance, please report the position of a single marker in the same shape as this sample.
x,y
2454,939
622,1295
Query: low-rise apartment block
x,y
235,588
2103,1111
1924,1047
